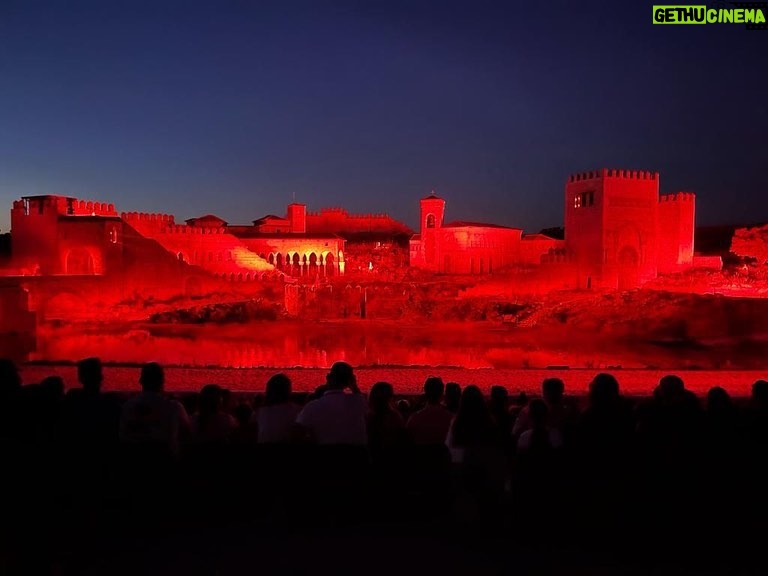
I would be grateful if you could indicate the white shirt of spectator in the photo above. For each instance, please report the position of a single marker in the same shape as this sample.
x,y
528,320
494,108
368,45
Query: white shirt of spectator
x,y
275,423
336,418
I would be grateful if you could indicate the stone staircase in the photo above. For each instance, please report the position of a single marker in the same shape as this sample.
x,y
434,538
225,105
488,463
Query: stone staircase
x,y
211,249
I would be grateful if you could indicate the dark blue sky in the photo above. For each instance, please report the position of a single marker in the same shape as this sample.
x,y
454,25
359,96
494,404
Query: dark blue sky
x,y
232,107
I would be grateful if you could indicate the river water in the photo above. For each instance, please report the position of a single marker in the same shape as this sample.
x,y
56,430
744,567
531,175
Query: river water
x,y
243,356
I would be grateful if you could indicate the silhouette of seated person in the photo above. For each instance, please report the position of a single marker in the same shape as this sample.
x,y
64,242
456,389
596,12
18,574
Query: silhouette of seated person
x,y
540,438
499,407
386,430
150,421
429,426
537,480
606,426
334,425
276,417
336,417
211,424
605,441
672,426
90,417
452,397
756,442
725,448
10,401
477,456
46,410
560,415
403,406
757,416
722,423
472,432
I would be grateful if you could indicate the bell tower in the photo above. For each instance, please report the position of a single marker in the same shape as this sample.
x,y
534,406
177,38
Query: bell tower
x,y
432,212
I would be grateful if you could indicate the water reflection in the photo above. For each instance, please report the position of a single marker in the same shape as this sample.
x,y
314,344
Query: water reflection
x,y
282,345
265,346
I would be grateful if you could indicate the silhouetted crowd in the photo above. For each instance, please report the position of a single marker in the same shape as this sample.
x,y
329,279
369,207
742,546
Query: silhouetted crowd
x,y
85,469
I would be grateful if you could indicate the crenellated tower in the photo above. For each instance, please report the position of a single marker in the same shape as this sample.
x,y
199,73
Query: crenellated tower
x,y
64,235
677,217
611,227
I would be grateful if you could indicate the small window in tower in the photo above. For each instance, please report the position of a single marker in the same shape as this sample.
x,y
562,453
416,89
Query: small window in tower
x,y
430,220
577,201
591,198
113,235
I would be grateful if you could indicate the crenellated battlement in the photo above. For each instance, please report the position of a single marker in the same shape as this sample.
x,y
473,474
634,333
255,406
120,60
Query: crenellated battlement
x,y
337,212
148,217
91,208
241,277
677,197
579,176
614,173
173,228
65,206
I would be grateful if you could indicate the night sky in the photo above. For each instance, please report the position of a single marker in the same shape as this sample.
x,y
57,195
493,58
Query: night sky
x,y
233,107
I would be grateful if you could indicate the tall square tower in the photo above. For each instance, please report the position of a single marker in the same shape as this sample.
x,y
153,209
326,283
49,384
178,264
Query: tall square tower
x,y
611,227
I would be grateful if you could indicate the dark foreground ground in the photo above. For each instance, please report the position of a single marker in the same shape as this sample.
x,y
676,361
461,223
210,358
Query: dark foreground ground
x,y
211,528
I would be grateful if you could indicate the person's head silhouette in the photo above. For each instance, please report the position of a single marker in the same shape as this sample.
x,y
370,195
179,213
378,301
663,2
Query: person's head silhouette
x,y
760,392
278,390
90,374
552,390
152,377
433,390
341,376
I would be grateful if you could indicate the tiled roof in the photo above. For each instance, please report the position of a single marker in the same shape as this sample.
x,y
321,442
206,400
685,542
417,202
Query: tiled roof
x,y
463,224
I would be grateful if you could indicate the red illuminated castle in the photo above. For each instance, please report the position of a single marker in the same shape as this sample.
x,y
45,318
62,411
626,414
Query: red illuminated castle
x,y
57,235
619,233
470,247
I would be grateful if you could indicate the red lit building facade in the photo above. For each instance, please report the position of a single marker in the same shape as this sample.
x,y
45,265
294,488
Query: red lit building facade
x,y
464,247
55,235
620,233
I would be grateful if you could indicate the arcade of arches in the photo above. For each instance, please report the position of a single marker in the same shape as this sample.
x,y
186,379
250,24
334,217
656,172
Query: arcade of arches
x,y
312,264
